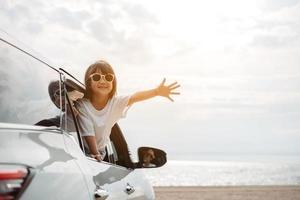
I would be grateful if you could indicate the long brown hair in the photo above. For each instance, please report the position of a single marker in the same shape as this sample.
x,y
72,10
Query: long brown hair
x,y
105,68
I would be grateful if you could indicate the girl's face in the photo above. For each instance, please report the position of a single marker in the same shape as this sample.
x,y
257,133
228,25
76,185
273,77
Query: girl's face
x,y
101,84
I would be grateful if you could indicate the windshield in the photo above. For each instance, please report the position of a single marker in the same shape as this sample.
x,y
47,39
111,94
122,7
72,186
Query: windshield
x,y
29,90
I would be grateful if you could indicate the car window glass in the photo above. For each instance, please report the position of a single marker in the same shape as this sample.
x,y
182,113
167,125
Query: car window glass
x,y
69,117
25,96
112,153
72,92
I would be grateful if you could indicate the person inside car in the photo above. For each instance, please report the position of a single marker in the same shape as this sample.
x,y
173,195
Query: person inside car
x,y
54,93
148,157
101,108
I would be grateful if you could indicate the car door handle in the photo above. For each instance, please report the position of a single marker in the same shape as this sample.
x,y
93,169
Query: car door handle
x,y
100,193
129,189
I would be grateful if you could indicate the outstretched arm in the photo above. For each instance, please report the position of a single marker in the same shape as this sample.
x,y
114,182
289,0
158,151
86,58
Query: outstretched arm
x,y
161,90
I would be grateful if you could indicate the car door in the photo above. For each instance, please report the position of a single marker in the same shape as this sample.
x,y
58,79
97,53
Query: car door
x,y
102,177
116,181
99,177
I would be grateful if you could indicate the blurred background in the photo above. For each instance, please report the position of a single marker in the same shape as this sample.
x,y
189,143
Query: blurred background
x,y
238,64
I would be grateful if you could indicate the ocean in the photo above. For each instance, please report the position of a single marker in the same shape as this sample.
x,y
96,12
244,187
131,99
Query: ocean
x,y
244,171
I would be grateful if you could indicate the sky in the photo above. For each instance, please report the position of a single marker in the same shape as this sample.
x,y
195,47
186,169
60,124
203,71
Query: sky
x,y
238,64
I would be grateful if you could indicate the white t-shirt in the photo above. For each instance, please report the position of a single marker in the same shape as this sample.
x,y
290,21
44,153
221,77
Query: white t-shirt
x,y
98,123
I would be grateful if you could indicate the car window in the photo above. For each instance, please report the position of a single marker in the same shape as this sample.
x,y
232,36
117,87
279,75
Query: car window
x,y
69,116
68,123
112,153
73,91
25,87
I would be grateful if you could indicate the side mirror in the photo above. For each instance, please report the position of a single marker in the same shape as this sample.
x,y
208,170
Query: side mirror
x,y
150,157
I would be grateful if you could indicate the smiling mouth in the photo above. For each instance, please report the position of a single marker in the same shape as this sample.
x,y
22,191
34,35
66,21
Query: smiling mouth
x,y
102,86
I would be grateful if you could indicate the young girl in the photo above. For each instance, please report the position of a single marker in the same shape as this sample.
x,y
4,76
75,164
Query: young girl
x,y
100,108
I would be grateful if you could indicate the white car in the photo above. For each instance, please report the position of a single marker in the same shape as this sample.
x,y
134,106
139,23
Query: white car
x,y
41,152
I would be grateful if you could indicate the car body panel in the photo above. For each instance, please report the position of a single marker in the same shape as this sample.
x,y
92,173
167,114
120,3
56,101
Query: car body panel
x,y
45,152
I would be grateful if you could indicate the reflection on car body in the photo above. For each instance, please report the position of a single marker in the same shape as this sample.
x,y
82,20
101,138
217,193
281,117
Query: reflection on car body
x,y
41,151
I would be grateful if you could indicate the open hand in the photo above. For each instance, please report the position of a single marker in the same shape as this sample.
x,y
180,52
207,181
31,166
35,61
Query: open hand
x,y
167,90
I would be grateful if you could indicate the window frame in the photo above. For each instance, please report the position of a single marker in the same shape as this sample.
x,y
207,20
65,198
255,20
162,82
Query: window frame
x,y
69,106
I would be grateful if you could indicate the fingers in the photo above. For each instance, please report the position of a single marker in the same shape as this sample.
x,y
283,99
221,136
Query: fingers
x,y
163,82
173,88
170,98
177,93
166,91
172,84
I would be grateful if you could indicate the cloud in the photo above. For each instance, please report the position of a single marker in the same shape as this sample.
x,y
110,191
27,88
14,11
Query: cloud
x,y
25,19
275,5
278,29
139,14
15,12
73,19
124,31
274,41
118,29
265,26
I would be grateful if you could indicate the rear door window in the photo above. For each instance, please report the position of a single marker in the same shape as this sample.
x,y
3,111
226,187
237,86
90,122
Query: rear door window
x,y
29,89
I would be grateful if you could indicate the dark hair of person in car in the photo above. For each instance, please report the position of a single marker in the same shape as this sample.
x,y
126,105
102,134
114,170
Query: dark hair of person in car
x,y
54,92
103,67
